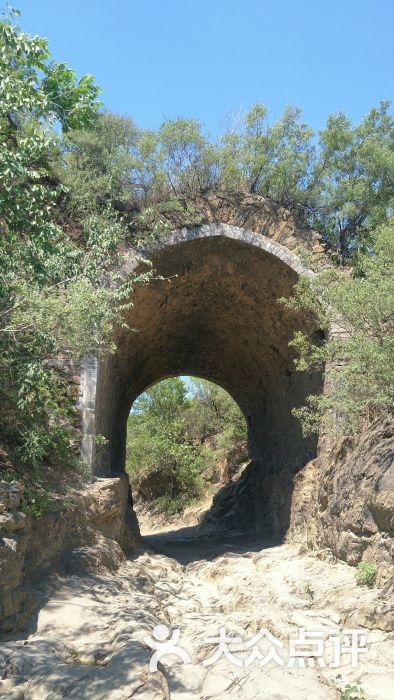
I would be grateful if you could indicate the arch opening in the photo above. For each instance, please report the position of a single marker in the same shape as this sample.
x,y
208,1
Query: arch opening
x,y
212,311
186,438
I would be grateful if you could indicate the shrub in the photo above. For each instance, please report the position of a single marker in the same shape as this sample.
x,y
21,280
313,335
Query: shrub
x,y
359,370
350,691
366,573
170,506
37,502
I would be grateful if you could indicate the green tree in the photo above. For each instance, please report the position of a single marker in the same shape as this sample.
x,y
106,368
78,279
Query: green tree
x,y
157,443
339,181
31,85
99,167
360,368
165,401
270,159
213,412
186,156
354,177
343,185
47,279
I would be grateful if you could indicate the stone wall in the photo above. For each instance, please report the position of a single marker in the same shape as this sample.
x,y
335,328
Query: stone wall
x,y
213,311
254,213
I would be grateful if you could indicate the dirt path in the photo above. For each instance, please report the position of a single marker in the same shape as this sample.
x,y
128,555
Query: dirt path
x,y
92,634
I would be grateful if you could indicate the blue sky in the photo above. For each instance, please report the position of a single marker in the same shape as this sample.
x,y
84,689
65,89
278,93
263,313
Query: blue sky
x,y
212,59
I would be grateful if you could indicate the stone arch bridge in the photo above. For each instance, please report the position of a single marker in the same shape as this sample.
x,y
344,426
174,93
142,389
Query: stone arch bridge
x,y
212,311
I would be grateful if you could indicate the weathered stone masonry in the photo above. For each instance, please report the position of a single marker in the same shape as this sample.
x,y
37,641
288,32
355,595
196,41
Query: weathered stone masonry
x,y
212,311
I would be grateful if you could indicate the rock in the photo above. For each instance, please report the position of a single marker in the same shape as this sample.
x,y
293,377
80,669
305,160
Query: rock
x,y
94,633
11,495
12,521
153,485
89,536
304,488
16,601
15,495
107,506
235,459
103,556
257,501
353,512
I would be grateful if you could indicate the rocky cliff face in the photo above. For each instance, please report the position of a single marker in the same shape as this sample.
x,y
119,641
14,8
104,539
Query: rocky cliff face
x,y
341,502
353,505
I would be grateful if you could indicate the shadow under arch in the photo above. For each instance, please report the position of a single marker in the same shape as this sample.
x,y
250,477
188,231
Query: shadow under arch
x,y
212,311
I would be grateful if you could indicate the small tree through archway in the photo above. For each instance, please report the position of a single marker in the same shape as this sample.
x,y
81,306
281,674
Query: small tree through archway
x,y
185,438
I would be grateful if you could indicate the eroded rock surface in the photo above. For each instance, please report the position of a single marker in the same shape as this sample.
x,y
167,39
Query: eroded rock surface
x,y
91,534
11,495
93,637
353,509
342,502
